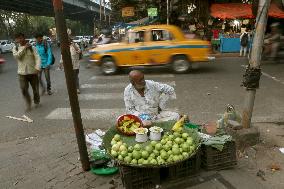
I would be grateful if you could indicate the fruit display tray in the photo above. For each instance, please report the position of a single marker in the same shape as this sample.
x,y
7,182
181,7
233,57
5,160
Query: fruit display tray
x,y
130,140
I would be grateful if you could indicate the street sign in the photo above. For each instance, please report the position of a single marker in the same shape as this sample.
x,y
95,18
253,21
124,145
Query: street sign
x,y
127,11
152,12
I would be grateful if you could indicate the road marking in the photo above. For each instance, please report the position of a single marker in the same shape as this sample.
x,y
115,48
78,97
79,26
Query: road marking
x,y
90,114
268,76
271,77
115,77
101,96
87,114
115,85
276,118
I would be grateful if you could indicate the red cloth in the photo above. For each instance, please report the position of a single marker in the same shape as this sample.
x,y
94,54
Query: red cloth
x,y
275,11
215,34
231,10
240,10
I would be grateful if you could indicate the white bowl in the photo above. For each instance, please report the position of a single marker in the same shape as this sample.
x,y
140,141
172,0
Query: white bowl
x,y
154,135
141,137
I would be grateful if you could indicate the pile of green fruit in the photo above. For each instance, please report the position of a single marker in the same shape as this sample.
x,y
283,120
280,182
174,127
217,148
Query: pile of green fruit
x,y
173,147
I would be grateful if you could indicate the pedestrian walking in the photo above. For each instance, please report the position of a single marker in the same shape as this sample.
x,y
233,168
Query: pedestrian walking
x,y
75,56
29,64
272,42
45,53
244,38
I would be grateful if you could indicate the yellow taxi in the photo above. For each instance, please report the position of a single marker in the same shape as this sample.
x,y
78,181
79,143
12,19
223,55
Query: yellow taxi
x,y
152,45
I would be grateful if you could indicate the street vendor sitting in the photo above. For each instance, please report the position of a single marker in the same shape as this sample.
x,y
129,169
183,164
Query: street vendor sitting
x,y
147,99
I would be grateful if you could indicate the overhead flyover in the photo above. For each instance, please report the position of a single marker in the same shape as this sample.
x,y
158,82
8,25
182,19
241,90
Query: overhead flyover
x,y
85,10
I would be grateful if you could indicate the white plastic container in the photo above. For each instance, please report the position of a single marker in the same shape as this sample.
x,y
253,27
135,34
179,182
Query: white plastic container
x,y
141,134
155,133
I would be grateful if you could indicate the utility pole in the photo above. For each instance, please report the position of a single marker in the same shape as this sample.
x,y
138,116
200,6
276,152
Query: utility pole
x,y
168,12
100,12
109,19
104,2
70,82
253,72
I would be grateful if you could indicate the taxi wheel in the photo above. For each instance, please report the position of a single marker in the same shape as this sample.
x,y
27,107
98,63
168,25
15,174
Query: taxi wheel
x,y
108,66
180,64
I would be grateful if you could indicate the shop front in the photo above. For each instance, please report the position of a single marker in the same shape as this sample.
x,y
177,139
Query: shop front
x,y
235,18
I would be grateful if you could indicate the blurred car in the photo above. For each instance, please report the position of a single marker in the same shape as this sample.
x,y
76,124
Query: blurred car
x,y
87,39
102,40
31,41
2,62
48,39
78,39
6,46
153,45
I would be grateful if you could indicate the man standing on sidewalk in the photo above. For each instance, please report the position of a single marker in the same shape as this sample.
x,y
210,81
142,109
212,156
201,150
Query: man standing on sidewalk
x,y
28,69
45,53
244,39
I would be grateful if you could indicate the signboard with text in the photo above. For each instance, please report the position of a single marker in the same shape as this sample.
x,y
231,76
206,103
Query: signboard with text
x,y
127,11
152,12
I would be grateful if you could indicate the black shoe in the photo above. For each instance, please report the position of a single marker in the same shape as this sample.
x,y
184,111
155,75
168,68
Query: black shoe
x,y
49,92
37,105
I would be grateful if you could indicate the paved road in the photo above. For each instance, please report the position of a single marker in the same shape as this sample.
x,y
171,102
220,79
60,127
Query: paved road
x,y
202,94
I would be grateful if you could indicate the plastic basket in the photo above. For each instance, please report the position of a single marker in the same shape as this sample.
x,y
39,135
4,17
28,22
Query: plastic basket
x,y
213,159
186,169
139,178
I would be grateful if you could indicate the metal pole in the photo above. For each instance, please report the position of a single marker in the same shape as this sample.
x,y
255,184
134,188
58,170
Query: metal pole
x,y
255,58
100,11
104,2
70,82
109,19
167,12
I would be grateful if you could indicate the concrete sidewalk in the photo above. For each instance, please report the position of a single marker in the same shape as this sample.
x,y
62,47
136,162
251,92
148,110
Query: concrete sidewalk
x,y
52,162
221,55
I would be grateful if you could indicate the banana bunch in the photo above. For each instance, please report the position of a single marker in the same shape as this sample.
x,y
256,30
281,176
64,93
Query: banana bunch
x,y
178,126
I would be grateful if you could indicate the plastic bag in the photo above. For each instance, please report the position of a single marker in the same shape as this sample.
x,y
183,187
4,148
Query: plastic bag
x,y
99,155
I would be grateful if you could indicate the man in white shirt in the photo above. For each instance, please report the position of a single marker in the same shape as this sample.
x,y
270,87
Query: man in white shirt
x,y
148,97
29,64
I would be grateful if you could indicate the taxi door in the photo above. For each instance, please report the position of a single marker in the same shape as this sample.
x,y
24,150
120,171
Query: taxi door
x,y
134,55
160,47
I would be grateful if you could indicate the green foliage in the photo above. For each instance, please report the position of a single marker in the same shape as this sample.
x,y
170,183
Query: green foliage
x,y
79,28
14,22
